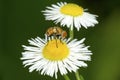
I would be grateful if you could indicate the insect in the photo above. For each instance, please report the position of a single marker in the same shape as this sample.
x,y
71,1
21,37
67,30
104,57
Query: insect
x,y
56,32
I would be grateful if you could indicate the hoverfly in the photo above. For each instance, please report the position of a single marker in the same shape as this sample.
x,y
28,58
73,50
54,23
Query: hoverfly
x,y
56,32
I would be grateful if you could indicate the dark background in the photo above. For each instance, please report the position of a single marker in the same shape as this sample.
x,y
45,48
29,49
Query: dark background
x,y
21,20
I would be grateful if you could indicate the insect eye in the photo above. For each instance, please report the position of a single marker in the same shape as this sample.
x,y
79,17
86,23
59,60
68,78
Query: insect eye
x,y
64,33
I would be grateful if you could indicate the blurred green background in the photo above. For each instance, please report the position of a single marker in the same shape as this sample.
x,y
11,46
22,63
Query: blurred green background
x,y
21,20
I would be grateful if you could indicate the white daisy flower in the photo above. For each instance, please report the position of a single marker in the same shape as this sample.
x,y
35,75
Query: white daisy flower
x,y
70,14
47,58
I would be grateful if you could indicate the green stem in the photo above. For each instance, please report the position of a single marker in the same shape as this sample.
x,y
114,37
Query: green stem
x,y
71,33
66,77
77,75
81,77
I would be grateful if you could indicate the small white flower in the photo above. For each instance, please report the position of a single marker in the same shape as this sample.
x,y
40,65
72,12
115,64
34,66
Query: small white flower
x,y
49,57
70,14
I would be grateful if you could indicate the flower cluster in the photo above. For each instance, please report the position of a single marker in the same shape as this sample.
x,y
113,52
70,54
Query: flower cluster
x,y
56,53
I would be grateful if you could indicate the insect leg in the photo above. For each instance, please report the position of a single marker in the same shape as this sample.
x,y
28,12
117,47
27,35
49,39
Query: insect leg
x,y
56,40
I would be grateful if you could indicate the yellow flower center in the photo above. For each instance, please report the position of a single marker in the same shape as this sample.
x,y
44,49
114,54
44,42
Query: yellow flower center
x,y
55,50
72,9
